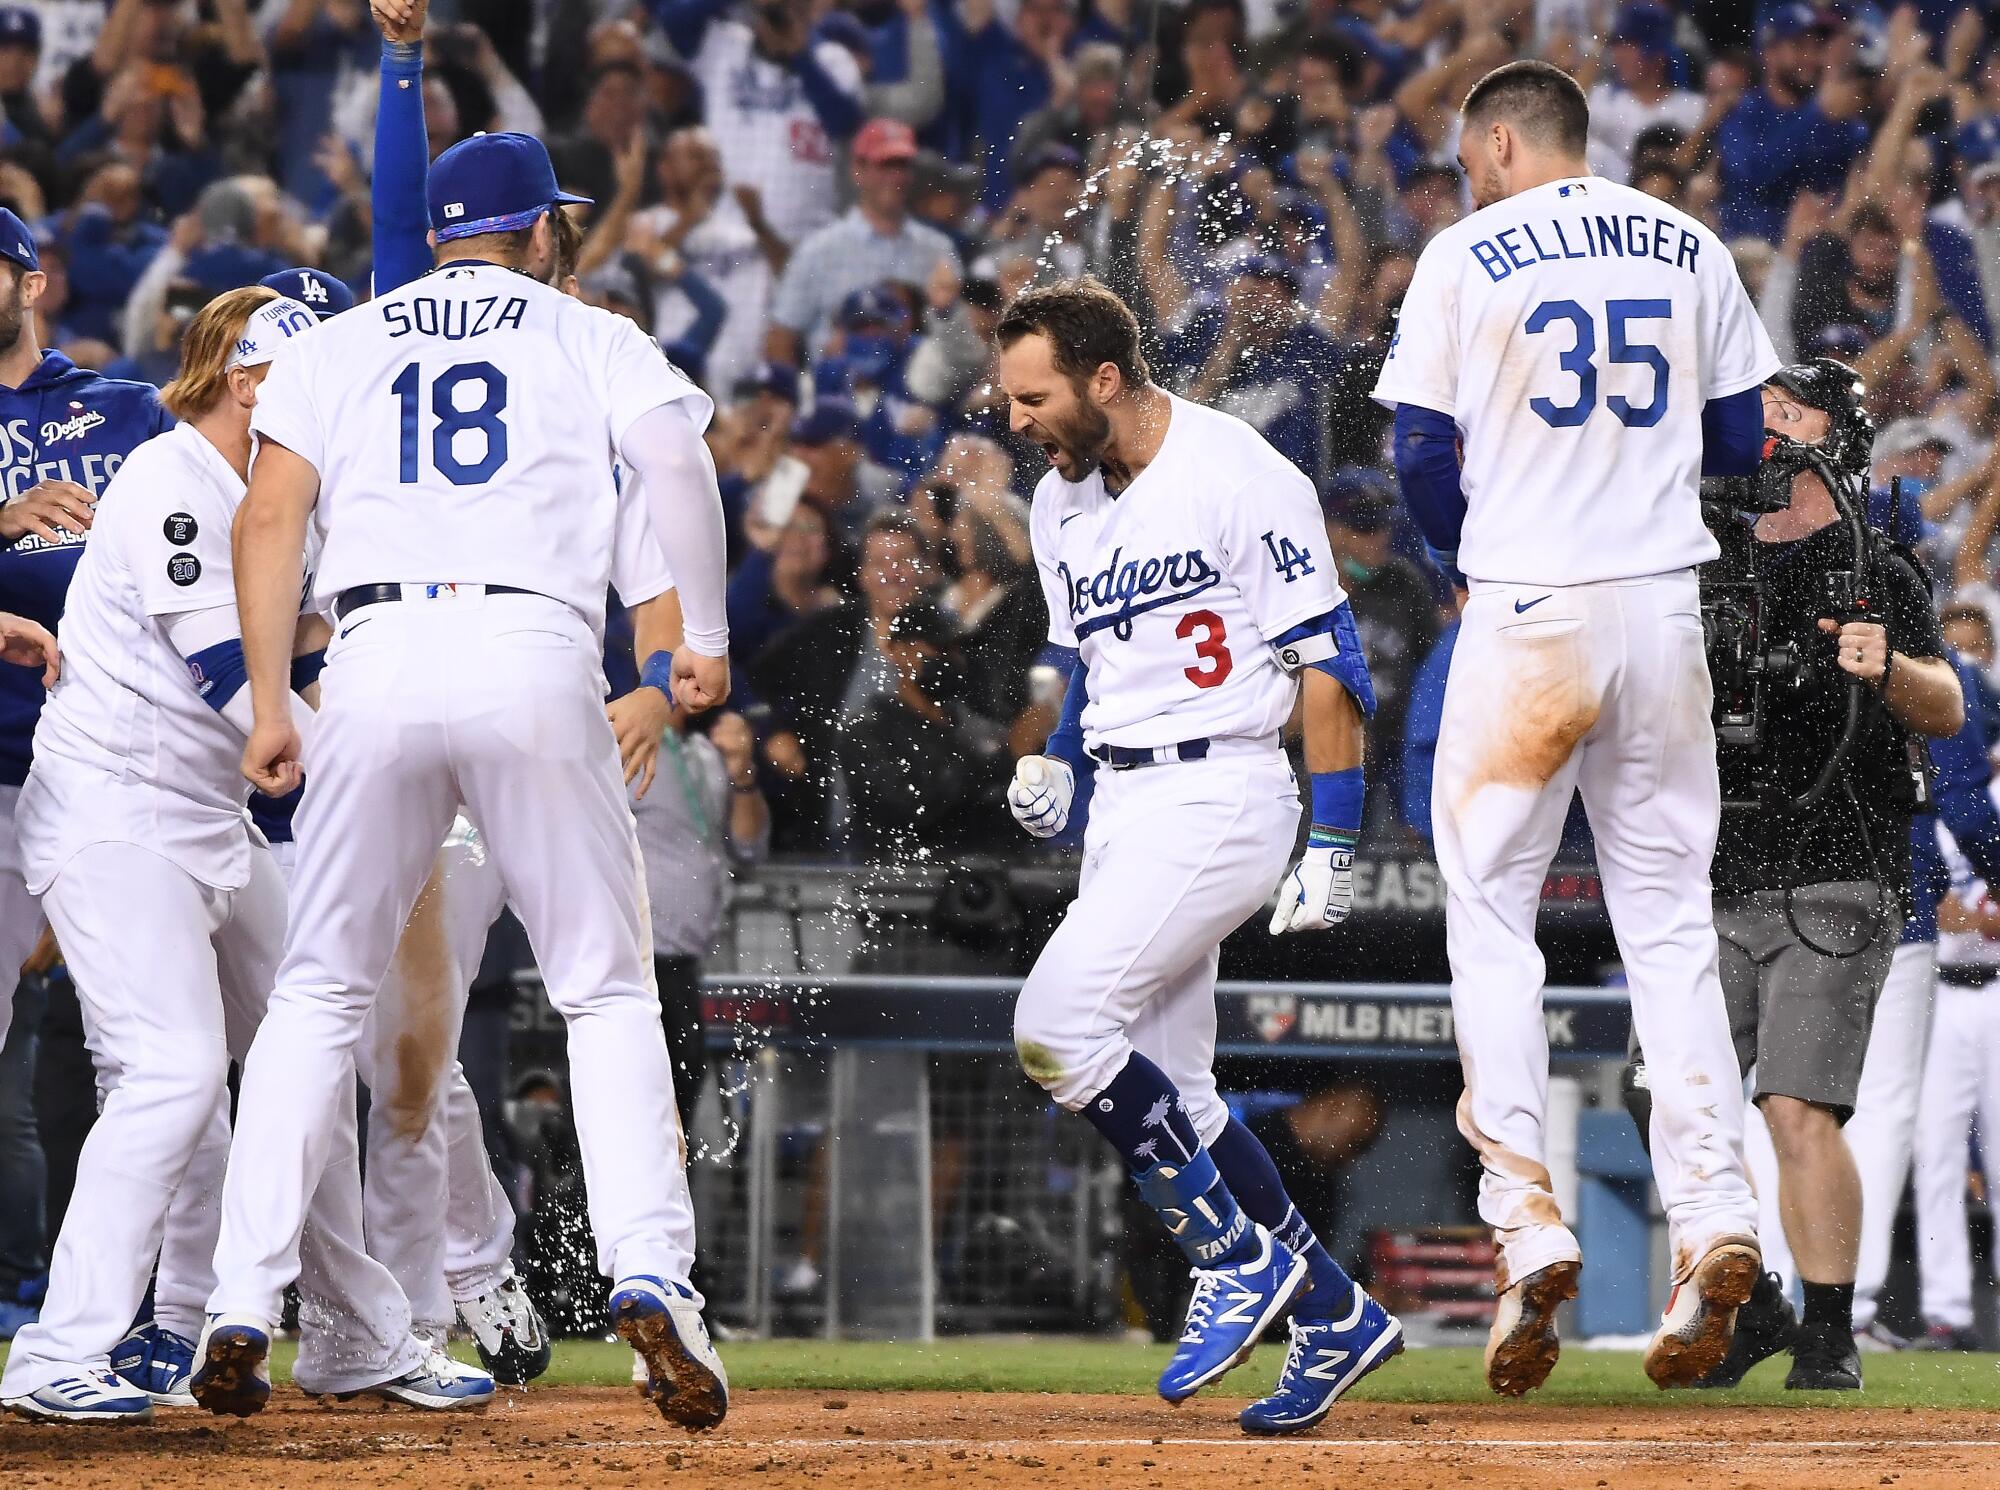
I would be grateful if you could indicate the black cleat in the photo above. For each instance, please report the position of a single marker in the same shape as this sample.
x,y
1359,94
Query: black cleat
x,y
1822,1363
1764,1326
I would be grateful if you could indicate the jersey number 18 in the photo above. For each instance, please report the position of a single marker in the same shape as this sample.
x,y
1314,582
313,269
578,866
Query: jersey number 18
x,y
453,421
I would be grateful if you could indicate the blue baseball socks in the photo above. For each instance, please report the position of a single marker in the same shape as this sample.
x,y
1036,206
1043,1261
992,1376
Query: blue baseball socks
x,y
1141,1116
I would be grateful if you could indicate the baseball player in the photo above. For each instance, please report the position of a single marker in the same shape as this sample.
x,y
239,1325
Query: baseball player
x,y
468,512
1961,1089
418,1168
1569,360
64,431
1184,562
168,907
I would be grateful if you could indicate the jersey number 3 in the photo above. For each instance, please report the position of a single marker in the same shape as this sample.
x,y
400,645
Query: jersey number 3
x,y
484,429
1215,659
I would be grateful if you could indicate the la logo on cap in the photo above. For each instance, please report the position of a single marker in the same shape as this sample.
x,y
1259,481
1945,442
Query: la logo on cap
x,y
454,209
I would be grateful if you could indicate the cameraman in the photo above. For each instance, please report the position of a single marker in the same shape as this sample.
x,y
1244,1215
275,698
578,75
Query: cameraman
x,y
1810,889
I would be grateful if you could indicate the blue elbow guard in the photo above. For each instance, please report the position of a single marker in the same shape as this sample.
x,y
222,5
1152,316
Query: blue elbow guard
x,y
1331,644
218,672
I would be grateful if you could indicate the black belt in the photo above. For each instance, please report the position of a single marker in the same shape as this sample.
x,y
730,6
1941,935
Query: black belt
x,y
1968,975
1131,757
360,595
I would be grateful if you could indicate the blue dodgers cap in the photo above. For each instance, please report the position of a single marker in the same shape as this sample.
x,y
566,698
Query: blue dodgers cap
x,y
830,419
493,183
20,26
315,289
16,242
1647,26
1788,21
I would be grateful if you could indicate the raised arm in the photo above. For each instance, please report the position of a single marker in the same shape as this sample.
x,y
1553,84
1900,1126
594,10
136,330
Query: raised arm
x,y
402,149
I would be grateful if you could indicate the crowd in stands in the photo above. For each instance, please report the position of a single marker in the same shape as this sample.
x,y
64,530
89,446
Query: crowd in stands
x,y
820,207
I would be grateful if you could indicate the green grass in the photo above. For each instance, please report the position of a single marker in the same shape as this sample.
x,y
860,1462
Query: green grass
x,y
1015,1364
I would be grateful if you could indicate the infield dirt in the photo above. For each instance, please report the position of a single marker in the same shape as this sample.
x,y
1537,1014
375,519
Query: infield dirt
x,y
604,1436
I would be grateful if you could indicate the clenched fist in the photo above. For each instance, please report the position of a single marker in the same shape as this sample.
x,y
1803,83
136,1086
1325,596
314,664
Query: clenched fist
x,y
1318,893
1041,793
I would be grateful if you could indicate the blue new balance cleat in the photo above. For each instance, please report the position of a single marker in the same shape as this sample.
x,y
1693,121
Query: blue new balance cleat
x,y
159,1363
92,1394
684,1376
1326,1358
232,1374
1230,1310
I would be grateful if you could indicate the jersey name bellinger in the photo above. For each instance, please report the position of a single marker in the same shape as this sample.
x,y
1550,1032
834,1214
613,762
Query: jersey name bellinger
x,y
1133,587
454,320
1602,235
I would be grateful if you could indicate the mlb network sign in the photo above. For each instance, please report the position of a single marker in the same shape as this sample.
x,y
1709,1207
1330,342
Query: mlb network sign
x,y
1285,1018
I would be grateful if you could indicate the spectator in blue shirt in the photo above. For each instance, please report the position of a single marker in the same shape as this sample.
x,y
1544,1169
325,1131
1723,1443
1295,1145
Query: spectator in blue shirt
x,y
1001,75
1797,131
1253,353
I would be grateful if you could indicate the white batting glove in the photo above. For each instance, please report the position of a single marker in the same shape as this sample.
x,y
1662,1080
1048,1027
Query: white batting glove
x,y
1041,793
1318,893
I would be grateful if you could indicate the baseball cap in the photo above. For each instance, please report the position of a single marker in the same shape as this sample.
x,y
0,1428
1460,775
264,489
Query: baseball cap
x,y
779,379
880,141
1901,436
16,242
1049,158
270,326
876,305
20,27
1977,146
831,419
1647,26
1360,497
493,183
1788,21
315,289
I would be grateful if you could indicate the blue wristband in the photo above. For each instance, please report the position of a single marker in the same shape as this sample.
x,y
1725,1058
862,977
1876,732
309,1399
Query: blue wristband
x,y
306,669
658,672
1337,798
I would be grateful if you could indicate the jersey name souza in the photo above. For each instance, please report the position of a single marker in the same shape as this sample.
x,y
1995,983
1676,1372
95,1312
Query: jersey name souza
x,y
454,320
1595,235
1127,588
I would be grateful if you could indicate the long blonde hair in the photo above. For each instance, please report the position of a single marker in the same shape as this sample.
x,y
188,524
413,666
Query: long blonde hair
x,y
205,350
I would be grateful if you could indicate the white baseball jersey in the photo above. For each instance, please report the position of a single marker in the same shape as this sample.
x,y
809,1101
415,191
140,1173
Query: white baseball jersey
x,y
766,129
127,749
1574,333
1964,948
1174,590
464,429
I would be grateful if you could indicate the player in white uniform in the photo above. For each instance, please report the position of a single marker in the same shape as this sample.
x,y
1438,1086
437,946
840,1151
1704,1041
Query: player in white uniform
x,y
1577,337
1184,560
1961,1084
454,441
168,907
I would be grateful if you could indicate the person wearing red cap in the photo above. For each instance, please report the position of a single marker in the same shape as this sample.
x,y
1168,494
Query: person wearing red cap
x,y
876,240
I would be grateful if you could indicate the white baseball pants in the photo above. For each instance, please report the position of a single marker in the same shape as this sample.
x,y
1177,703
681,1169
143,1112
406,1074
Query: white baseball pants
x,y
426,1149
1885,1111
172,976
495,701
20,913
1961,1082
1175,858
1602,688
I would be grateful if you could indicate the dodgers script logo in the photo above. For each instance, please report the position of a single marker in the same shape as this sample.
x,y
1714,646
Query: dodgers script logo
x,y
1126,589
80,423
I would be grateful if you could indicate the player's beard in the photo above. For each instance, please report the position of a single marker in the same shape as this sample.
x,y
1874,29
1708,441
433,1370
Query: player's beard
x,y
1080,445
13,315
